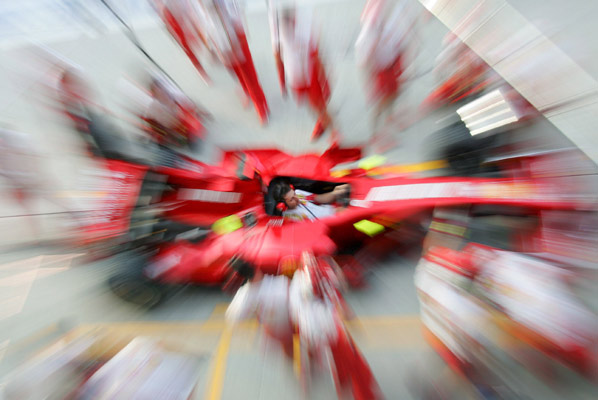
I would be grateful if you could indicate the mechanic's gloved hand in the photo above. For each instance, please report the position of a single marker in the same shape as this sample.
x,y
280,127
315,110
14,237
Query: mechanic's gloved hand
x,y
341,194
341,190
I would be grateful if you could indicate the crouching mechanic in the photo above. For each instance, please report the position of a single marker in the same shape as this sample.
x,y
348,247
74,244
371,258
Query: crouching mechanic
x,y
299,205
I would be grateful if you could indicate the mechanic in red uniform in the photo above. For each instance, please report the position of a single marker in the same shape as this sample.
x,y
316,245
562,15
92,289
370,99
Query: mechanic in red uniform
x,y
317,309
266,298
227,37
176,15
274,20
381,50
298,61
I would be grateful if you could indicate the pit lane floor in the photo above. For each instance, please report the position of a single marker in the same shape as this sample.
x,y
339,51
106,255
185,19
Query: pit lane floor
x,y
49,294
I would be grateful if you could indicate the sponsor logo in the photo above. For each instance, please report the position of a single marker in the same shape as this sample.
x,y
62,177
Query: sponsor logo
x,y
118,191
209,196
118,196
415,191
515,190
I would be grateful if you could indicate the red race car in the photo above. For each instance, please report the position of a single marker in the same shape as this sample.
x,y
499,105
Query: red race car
x,y
234,200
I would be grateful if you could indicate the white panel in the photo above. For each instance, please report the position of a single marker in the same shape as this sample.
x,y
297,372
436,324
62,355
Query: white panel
x,y
580,126
501,35
531,63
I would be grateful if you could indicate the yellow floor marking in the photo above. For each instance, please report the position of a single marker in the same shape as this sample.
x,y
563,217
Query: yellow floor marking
x,y
367,323
385,319
377,328
219,310
155,327
297,355
403,169
219,366
373,323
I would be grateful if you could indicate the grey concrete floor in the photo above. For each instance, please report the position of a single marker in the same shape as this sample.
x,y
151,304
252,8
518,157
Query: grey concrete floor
x,y
50,292
57,291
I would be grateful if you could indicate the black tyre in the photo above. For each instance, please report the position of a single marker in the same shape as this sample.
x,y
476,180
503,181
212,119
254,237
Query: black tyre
x,y
137,290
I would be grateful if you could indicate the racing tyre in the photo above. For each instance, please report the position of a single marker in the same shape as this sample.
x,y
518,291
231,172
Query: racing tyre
x,y
137,290
463,160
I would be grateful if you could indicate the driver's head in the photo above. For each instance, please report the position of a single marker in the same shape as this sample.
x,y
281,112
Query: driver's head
x,y
284,193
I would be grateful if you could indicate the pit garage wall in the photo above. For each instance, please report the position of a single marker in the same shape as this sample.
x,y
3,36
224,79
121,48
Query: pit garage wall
x,y
533,64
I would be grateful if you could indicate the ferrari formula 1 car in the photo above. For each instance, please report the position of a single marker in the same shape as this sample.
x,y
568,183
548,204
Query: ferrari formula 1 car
x,y
211,223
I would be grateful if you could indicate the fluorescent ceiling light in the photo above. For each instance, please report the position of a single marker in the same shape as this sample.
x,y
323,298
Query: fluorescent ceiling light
x,y
494,125
481,113
488,99
479,121
430,5
465,116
